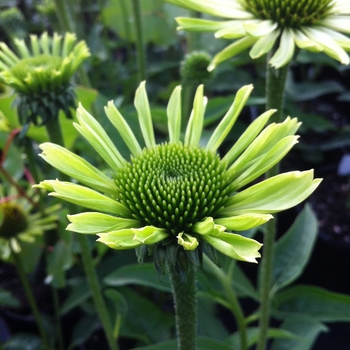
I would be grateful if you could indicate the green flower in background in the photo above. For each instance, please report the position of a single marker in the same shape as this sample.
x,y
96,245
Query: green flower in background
x,y
42,75
19,223
264,25
179,196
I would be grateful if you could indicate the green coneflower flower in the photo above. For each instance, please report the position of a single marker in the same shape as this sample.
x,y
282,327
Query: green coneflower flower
x,y
179,195
314,25
18,223
41,76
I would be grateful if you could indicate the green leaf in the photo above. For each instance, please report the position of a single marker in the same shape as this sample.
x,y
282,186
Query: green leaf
x,y
145,275
242,284
20,341
7,299
312,302
79,293
253,333
203,343
306,332
293,249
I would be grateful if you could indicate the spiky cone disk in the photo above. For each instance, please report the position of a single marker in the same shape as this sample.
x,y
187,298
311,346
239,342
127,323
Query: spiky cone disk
x,y
264,25
42,75
179,199
193,68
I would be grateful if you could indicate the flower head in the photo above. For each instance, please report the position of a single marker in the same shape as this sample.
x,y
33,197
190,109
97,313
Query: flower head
x,y
264,25
19,223
41,76
178,196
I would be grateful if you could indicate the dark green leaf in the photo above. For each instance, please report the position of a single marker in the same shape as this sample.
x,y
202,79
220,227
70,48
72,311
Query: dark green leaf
x,y
144,274
7,299
313,303
293,249
20,341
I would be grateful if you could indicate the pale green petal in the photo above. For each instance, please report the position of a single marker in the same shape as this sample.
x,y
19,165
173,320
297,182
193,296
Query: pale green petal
x,y
45,43
261,164
247,137
330,47
7,55
22,48
34,43
235,246
341,39
149,234
244,222
174,115
93,132
77,167
94,222
229,119
56,44
84,196
187,241
264,44
338,23
285,51
303,42
195,124
208,227
233,31
259,28
232,50
202,25
144,115
220,8
120,240
275,194
123,128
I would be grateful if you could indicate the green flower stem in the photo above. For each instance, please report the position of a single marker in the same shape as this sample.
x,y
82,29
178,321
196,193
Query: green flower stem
x,y
275,86
194,38
64,14
185,302
225,280
58,327
140,46
128,34
31,300
55,134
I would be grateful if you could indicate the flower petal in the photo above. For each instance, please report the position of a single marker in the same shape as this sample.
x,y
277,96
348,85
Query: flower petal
x,y
93,132
338,23
84,196
149,234
244,222
120,240
123,128
259,28
303,42
94,222
76,167
264,44
229,119
195,124
174,115
187,241
232,50
275,194
144,115
285,51
202,25
208,227
235,246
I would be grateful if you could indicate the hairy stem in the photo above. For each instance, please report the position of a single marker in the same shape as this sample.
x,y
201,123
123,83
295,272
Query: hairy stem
x,y
275,85
185,302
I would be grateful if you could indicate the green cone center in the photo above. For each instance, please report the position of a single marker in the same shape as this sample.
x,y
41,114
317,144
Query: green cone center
x,y
173,186
13,220
290,13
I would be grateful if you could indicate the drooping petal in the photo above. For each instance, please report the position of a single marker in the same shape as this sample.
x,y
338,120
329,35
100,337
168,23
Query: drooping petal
x,y
144,115
229,119
187,241
202,25
303,42
235,246
234,31
93,132
259,28
208,227
275,194
338,23
95,222
195,124
285,51
149,234
123,128
232,50
76,167
243,222
120,240
174,115
264,44
84,196
220,8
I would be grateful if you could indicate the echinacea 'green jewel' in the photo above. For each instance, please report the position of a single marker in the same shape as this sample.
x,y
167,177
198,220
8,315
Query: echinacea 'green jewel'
x,y
179,196
18,223
41,75
262,25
